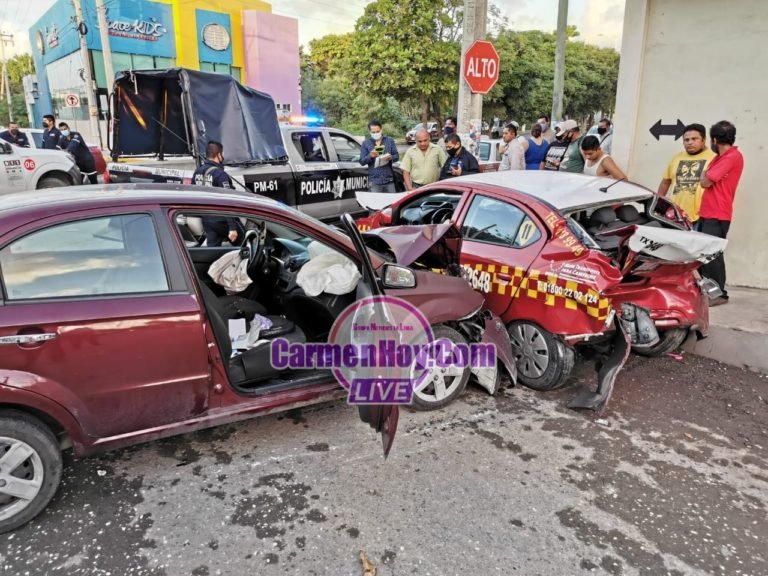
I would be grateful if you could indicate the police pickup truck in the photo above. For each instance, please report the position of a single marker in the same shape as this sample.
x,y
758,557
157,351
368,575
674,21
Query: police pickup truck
x,y
320,178
24,169
163,120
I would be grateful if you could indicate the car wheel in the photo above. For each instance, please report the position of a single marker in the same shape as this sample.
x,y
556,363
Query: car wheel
x,y
543,361
52,182
30,468
669,340
441,386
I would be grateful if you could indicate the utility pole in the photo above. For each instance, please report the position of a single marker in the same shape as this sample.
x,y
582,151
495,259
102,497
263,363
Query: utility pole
x,y
93,111
6,80
562,32
101,11
471,105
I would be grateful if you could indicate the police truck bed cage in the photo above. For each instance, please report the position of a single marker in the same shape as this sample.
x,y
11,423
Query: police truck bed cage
x,y
176,111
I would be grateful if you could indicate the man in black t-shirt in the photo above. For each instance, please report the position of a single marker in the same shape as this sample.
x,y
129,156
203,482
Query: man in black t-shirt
x,y
459,161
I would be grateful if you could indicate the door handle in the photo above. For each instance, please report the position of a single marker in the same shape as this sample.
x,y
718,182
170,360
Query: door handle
x,y
27,338
504,277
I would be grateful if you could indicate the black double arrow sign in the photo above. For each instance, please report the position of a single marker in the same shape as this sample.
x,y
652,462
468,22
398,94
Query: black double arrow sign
x,y
676,130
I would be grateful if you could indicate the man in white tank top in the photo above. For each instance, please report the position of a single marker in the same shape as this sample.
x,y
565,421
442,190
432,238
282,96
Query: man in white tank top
x,y
597,162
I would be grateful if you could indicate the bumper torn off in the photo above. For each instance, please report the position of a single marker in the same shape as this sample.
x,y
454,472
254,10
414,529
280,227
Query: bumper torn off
x,y
634,327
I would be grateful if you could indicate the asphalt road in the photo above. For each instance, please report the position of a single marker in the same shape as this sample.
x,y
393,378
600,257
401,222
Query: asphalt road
x,y
673,479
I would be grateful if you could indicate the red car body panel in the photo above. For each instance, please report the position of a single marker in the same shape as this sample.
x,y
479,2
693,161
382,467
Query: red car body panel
x,y
557,273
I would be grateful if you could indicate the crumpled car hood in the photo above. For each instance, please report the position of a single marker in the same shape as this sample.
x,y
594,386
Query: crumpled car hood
x,y
433,245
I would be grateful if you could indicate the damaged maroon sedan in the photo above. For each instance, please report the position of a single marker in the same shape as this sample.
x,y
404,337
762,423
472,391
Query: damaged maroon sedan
x,y
113,331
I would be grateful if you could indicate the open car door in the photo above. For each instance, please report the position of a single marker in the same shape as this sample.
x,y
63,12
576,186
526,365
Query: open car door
x,y
381,417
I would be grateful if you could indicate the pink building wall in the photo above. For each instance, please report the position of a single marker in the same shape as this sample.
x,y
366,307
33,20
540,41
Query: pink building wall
x,y
271,54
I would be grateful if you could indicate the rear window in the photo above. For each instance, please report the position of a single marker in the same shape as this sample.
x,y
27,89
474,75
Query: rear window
x,y
94,257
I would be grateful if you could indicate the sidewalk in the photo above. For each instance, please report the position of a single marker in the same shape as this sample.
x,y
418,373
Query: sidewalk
x,y
738,331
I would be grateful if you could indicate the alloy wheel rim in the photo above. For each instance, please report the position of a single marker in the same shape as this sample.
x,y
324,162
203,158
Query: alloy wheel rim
x,y
439,383
21,476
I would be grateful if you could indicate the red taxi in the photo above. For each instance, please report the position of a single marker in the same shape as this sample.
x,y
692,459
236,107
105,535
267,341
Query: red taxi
x,y
557,254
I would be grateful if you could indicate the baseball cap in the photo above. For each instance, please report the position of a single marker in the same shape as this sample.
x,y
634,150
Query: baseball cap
x,y
566,125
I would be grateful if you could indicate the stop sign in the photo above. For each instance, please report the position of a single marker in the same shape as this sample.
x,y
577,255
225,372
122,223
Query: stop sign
x,y
481,67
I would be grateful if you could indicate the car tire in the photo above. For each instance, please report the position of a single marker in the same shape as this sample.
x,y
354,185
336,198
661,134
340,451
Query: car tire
x,y
543,361
52,182
669,340
443,385
22,431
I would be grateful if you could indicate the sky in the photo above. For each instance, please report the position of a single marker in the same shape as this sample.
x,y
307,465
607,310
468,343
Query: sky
x,y
599,21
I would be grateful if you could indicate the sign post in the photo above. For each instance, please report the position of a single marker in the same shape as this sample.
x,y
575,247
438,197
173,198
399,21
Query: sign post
x,y
470,104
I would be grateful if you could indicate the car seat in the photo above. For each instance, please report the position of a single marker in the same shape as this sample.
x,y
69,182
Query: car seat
x,y
254,364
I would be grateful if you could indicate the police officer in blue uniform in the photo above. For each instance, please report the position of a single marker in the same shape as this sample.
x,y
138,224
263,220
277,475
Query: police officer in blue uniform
x,y
211,173
14,135
74,143
51,134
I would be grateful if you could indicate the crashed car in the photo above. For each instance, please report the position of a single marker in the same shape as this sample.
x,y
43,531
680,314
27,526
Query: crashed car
x,y
113,331
557,255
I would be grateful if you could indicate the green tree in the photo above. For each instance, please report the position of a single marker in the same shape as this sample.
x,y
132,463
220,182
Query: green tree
x,y
397,51
18,67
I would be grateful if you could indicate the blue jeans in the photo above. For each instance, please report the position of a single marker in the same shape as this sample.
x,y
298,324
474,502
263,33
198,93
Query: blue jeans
x,y
388,187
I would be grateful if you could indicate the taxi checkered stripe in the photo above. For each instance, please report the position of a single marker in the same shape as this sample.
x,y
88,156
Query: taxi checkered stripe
x,y
529,286
363,227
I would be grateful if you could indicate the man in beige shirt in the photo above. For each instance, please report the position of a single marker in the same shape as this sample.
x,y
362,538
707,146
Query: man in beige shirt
x,y
421,164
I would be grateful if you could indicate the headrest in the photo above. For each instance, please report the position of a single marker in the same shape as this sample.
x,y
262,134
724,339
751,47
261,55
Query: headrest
x,y
628,213
604,215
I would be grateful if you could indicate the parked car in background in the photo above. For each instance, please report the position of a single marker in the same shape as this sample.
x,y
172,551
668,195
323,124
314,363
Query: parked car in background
x,y
114,333
488,155
432,127
557,254
36,141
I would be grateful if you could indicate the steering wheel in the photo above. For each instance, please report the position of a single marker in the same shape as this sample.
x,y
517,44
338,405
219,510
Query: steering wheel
x,y
253,247
441,215
432,208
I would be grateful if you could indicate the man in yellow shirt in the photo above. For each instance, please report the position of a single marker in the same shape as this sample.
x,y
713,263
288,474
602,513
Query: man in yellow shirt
x,y
422,163
683,173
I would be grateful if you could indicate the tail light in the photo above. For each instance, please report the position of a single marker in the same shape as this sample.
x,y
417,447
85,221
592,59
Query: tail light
x,y
106,177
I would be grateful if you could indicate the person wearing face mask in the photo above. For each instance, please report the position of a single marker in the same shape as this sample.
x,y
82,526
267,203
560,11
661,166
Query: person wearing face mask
x,y
15,136
605,134
74,143
378,153
448,129
211,173
51,134
459,161
546,129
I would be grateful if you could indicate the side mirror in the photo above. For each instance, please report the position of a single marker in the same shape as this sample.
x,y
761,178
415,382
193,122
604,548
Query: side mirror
x,y
5,148
394,276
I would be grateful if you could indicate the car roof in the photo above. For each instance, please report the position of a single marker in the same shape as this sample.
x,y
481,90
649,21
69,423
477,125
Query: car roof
x,y
22,207
566,191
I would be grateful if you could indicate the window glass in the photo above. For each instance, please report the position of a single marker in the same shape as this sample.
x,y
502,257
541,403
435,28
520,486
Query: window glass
x,y
63,79
310,146
347,149
100,256
484,150
497,222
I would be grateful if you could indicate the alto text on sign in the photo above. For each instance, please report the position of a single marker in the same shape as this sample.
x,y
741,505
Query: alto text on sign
x,y
481,67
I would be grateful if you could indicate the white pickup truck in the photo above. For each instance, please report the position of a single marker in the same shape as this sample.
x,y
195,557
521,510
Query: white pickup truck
x,y
34,168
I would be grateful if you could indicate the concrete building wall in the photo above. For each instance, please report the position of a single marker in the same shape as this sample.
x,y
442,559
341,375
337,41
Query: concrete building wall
x,y
699,62
272,56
